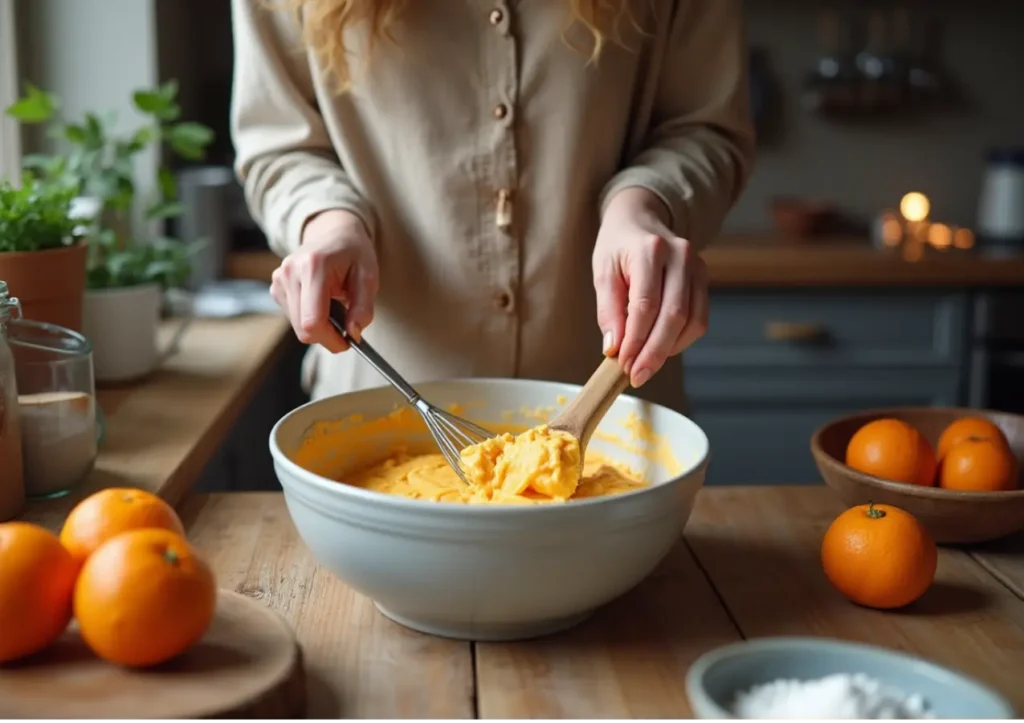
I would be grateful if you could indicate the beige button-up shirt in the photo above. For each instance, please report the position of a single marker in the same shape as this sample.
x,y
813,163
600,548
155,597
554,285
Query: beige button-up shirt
x,y
480,148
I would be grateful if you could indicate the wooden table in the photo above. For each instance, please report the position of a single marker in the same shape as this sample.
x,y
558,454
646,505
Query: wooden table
x,y
747,567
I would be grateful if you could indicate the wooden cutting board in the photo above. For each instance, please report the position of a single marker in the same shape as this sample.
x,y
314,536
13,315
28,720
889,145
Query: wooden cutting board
x,y
248,665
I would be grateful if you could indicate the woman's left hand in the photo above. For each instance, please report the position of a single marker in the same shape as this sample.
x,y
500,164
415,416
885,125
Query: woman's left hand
x,y
652,288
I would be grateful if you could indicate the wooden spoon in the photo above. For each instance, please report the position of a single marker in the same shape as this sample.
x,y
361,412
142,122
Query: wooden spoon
x,y
581,417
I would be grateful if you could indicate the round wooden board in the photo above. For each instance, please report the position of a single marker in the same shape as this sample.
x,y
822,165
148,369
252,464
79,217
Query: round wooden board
x,y
248,665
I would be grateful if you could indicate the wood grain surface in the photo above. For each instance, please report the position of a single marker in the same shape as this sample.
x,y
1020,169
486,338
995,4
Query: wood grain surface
x,y
1005,560
248,665
358,664
748,567
760,549
161,431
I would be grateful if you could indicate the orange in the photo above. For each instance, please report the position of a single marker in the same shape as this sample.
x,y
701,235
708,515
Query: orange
x,y
966,427
144,597
109,512
893,450
37,577
979,464
879,556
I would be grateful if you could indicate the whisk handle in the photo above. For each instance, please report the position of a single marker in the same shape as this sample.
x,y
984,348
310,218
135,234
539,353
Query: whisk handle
x,y
367,352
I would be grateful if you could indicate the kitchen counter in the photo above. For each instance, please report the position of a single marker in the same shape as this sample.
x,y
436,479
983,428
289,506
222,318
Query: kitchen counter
x,y
747,567
770,263
161,431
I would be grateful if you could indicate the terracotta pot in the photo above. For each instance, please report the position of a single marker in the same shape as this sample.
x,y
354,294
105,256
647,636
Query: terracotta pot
x,y
50,284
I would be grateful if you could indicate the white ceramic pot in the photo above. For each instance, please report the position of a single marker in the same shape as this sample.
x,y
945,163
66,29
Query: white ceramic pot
x,y
488,572
122,326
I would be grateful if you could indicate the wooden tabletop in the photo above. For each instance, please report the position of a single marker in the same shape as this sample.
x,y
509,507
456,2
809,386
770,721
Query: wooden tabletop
x,y
751,262
747,567
161,431
833,264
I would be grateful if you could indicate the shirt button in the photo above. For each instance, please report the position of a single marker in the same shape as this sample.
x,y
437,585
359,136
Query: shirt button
x,y
502,301
500,111
496,16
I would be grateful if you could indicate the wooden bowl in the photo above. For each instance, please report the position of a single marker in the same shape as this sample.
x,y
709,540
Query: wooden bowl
x,y
951,517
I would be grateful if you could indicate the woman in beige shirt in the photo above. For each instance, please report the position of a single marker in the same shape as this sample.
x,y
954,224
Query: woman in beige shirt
x,y
483,178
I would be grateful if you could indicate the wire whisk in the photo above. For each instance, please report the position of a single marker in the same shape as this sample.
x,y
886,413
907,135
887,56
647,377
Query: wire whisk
x,y
451,432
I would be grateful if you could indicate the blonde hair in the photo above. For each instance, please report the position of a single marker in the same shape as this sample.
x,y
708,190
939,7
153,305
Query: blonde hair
x,y
324,22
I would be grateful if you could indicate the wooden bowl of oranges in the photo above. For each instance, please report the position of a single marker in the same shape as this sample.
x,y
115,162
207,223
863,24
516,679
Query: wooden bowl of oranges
x,y
956,470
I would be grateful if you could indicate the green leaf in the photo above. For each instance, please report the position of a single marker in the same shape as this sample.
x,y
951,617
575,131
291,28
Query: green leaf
x,y
165,209
189,140
50,168
169,90
36,106
75,133
157,103
164,267
95,136
164,261
37,161
147,101
36,216
168,183
142,138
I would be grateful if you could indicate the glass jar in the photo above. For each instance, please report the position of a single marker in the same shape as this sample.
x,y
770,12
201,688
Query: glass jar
x,y
57,406
12,483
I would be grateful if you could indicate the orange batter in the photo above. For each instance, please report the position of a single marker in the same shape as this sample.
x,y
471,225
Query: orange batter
x,y
539,465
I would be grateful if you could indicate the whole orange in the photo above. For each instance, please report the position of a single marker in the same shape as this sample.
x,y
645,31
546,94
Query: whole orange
x,y
879,556
144,597
979,464
893,450
37,578
112,511
964,428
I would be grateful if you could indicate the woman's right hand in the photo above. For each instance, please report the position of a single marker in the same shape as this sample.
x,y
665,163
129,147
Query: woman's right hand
x,y
336,260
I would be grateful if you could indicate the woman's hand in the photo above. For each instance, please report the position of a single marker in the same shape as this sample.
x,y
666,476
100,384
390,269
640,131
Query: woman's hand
x,y
652,289
336,260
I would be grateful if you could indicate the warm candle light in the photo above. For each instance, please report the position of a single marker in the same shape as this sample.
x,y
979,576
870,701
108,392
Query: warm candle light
x,y
940,236
963,238
892,231
915,206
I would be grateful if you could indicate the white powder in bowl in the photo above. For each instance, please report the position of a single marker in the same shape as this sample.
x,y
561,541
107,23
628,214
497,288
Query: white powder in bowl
x,y
835,696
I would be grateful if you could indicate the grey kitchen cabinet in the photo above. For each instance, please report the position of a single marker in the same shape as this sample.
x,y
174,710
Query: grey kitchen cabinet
x,y
776,365
997,351
842,329
760,425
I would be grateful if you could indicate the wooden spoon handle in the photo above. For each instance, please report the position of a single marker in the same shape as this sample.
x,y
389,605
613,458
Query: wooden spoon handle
x,y
582,415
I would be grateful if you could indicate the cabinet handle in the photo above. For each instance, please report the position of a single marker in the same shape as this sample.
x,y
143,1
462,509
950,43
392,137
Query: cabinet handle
x,y
793,331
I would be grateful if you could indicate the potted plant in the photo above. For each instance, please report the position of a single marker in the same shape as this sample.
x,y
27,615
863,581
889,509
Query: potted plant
x,y
128,271
40,258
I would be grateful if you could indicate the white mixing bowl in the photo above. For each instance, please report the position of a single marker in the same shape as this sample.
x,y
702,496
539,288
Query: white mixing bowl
x,y
494,572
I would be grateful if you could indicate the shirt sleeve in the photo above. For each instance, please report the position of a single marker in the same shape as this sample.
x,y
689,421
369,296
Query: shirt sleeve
x,y
284,156
699,146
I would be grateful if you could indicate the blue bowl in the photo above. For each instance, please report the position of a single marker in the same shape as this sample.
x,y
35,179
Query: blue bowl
x,y
715,679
